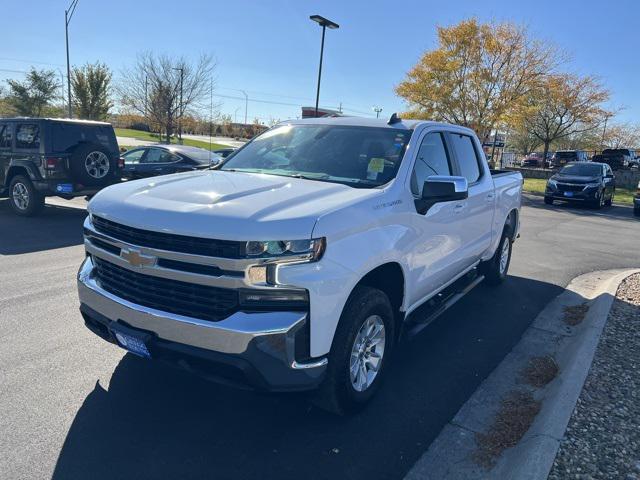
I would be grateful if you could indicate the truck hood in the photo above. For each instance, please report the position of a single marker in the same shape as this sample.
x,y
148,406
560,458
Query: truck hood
x,y
575,178
225,205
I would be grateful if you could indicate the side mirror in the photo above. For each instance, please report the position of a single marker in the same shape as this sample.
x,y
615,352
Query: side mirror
x,y
214,161
441,188
609,175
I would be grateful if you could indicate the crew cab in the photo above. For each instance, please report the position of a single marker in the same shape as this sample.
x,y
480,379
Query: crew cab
x,y
590,183
300,261
42,157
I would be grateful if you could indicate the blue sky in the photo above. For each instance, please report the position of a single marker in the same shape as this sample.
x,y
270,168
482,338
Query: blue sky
x,y
271,48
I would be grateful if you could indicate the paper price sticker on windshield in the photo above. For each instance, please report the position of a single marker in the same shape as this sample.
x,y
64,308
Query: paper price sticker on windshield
x,y
376,165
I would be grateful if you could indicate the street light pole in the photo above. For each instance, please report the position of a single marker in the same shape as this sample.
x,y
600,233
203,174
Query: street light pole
x,y
324,23
67,18
377,110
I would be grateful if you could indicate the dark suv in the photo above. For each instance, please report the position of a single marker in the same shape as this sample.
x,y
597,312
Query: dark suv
x,y
42,157
617,158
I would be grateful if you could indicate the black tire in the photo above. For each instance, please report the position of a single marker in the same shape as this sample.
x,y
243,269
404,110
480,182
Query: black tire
x,y
24,199
92,165
548,200
609,201
493,270
599,202
337,394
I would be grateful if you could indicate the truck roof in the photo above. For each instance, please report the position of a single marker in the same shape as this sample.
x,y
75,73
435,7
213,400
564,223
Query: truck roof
x,y
403,124
60,120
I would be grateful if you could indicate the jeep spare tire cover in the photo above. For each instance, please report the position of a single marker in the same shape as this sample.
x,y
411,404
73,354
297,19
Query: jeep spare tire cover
x,y
92,165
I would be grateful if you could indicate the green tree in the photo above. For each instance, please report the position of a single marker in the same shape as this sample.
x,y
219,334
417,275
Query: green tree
x,y
91,91
30,97
477,75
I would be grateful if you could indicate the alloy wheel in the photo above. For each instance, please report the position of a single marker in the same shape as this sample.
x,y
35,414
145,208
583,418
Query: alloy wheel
x,y
20,196
97,164
504,256
367,353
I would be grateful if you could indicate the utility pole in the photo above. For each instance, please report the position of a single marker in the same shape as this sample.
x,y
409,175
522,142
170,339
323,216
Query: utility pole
x,y
67,18
604,130
246,105
377,110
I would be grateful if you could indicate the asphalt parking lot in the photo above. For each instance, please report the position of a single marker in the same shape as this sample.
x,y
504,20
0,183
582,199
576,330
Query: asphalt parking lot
x,y
74,406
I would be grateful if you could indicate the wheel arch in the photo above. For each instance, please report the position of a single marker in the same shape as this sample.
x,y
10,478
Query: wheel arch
x,y
512,223
15,170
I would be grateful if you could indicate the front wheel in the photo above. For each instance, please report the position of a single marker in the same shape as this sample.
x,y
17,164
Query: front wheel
x,y
360,352
495,269
609,201
636,211
25,199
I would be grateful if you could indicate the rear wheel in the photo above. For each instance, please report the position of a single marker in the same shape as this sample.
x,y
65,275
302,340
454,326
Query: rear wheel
x,y
599,202
495,269
25,199
360,352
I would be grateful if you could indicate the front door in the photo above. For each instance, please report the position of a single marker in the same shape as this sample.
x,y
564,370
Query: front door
x,y
434,259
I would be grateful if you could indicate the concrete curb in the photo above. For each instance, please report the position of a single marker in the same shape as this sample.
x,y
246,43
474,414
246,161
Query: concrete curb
x,y
450,455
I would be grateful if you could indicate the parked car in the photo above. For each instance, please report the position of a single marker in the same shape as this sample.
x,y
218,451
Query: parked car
x,y
617,158
535,160
225,152
636,202
592,183
298,263
157,160
562,157
42,157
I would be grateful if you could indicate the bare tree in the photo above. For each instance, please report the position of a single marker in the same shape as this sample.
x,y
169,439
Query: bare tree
x,y
163,89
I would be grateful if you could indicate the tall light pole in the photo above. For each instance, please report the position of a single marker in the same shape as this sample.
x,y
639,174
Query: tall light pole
x,y
324,23
180,109
68,13
377,110
604,130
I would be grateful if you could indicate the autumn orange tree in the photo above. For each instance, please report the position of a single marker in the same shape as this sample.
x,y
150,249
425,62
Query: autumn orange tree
x,y
478,74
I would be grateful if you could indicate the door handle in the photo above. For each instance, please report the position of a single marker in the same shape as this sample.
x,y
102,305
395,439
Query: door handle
x,y
458,208
490,197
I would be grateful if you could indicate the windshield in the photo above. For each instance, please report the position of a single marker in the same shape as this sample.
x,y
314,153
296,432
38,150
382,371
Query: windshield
x,y
357,156
582,169
566,154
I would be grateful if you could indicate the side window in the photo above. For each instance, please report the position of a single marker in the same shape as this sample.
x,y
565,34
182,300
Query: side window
x,y
28,136
5,136
133,157
467,156
158,155
432,159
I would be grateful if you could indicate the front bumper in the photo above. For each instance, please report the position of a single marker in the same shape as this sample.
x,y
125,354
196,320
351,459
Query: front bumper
x,y
589,194
246,349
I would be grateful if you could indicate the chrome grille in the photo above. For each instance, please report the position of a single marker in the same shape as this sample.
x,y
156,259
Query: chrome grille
x,y
192,300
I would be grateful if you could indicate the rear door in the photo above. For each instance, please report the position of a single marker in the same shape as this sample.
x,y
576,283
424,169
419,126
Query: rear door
x,y
27,143
476,216
6,142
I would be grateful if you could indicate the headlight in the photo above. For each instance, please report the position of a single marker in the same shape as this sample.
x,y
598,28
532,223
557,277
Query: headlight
x,y
593,185
306,250
552,183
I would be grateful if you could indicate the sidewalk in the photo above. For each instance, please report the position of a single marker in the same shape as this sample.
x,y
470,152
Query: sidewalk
x,y
602,440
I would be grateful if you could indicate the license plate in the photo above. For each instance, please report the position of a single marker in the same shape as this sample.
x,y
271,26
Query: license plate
x,y
568,194
64,188
132,344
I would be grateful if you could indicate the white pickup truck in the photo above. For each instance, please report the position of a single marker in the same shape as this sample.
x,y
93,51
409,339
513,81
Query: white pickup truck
x,y
298,262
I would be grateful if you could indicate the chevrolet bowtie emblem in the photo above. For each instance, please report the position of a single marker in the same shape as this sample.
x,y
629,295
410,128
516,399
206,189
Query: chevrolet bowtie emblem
x,y
136,258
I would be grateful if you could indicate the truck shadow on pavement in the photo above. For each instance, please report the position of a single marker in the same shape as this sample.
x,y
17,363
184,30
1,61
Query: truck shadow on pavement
x,y
155,421
56,227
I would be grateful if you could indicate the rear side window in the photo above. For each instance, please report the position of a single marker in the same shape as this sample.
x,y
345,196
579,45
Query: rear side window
x,y
5,136
432,159
467,156
157,155
28,136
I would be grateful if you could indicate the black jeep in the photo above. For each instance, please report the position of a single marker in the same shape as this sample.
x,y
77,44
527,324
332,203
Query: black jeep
x,y
42,157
